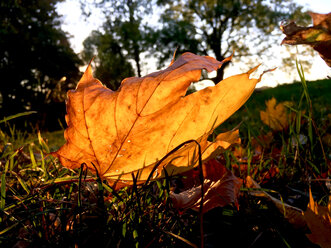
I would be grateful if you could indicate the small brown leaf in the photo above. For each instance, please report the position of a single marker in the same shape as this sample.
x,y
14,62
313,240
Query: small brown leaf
x,y
221,188
275,116
318,219
318,36
292,214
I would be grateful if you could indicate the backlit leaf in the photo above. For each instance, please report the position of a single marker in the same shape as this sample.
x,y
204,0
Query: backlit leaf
x,y
125,131
318,36
318,219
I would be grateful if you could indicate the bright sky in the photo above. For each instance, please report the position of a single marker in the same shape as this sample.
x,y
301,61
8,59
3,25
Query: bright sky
x,y
79,29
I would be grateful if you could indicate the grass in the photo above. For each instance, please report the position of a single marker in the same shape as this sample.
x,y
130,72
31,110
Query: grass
x,y
44,204
319,91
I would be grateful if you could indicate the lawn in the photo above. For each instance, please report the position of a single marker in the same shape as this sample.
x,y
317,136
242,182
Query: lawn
x,y
44,204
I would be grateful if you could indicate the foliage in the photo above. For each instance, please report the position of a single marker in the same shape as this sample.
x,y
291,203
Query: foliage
x,y
220,187
318,36
318,219
283,168
205,28
45,204
114,132
218,27
111,64
275,116
124,38
129,27
290,93
35,55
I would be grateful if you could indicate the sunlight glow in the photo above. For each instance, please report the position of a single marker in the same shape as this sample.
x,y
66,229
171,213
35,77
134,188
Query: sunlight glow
x,y
79,28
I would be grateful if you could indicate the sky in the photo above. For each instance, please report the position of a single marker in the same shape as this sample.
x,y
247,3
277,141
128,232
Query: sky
x,y
79,28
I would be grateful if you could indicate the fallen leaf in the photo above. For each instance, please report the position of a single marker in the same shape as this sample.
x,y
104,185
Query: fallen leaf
x,y
327,139
318,219
318,36
192,178
275,116
292,214
122,132
221,188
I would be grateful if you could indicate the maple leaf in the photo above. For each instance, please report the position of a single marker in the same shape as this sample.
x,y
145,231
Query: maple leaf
x,y
275,116
122,132
318,36
293,214
220,186
318,219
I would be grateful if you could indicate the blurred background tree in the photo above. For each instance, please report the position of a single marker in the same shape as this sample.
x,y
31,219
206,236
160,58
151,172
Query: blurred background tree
x,y
219,27
38,66
123,38
213,27
37,63
112,66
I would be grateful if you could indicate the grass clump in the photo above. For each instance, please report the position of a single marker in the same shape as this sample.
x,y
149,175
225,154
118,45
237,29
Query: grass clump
x,y
44,204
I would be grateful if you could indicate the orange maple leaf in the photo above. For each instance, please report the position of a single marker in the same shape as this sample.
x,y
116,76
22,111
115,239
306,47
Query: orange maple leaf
x,y
275,116
122,132
318,219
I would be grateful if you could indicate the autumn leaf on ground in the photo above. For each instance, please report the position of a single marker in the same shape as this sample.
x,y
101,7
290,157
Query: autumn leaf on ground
x,y
275,116
122,132
221,188
318,36
261,142
292,214
318,219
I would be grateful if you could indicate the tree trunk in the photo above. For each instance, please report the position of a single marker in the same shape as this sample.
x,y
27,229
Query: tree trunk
x,y
137,60
220,72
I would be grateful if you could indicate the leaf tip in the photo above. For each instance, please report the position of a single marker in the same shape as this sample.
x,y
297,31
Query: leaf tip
x,y
88,72
173,57
269,70
253,69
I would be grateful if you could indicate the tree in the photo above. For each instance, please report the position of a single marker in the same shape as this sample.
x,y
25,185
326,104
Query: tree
x,y
124,27
111,65
221,26
129,28
35,55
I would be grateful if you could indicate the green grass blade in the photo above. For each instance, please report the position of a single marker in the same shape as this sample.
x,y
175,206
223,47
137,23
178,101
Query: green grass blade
x,y
181,238
33,160
17,115
42,143
23,184
5,149
314,167
7,165
3,191
8,228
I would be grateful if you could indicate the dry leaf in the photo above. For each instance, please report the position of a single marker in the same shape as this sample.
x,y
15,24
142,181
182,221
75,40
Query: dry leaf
x,y
129,130
221,188
275,116
318,219
292,214
318,36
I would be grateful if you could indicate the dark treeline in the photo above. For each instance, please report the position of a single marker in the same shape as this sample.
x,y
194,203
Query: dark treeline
x,y
38,65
